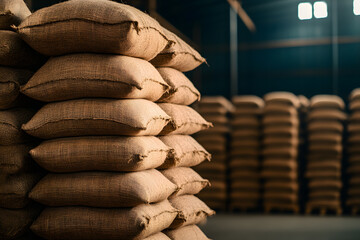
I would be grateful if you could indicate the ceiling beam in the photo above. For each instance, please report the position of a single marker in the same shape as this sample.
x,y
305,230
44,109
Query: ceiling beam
x,y
236,5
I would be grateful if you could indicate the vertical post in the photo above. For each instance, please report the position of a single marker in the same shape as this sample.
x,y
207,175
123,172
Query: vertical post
x,y
335,47
233,52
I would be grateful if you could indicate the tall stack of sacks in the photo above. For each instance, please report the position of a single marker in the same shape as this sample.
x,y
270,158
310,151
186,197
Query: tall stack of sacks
x,y
245,153
280,152
18,172
215,109
100,125
325,133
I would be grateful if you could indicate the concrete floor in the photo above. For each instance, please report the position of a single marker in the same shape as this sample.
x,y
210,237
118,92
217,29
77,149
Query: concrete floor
x,y
254,227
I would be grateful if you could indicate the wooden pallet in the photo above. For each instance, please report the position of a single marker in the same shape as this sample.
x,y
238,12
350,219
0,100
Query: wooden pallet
x,y
324,209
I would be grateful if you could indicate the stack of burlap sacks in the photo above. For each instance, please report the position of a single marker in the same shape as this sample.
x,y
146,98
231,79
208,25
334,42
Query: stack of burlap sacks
x,y
245,153
18,172
325,133
100,124
280,152
215,140
353,168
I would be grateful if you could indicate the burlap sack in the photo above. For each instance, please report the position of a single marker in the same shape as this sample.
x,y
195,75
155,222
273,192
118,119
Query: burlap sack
x,y
241,195
216,102
179,55
280,131
103,153
250,185
158,236
326,137
191,211
335,148
99,223
244,174
325,126
14,190
282,152
15,159
280,197
12,12
244,163
334,184
327,114
278,186
244,143
188,182
324,165
247,111
211,167
285,98
218,129
214,147
216,119
192,232
327,101
270,140
16,222
282,175
10,125
245,122
246,133
354,105
281,120
211,110
95,75
182,91
10,81
248,101
187,152
280,110
202,137
324,195
289,165
323,174
354,127
98,26
97,117
14,52
114,189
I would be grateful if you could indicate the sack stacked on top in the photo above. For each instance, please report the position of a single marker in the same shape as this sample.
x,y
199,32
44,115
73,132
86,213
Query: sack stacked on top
x,y
325,131
215,140
245,152
280,152
100,126
18,172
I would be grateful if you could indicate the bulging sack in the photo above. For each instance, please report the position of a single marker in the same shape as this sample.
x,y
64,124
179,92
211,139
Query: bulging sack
x,y
102,189
192,232
98,26
83,223
84,117
12,12
15,159
95,75
103,153
158,236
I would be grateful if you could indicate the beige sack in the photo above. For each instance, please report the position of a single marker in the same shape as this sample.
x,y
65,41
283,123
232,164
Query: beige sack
x,y
192,232
12,12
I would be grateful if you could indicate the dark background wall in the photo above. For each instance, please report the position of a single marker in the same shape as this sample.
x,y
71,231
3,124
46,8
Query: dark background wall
x,y
284,54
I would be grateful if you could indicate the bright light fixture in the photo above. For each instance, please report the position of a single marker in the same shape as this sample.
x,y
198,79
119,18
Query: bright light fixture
x,y
356,7
320,9
304,11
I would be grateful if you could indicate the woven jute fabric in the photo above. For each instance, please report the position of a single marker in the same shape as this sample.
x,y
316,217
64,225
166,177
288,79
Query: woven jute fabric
x,y
192,232
14,52
180,55
184,120
99,26
14,190
10,81
103,153
16,222
182,90
95,75
158,236
187,152
15,159
188,182
103,189
12,12
84,117
191,211
10,125
99,223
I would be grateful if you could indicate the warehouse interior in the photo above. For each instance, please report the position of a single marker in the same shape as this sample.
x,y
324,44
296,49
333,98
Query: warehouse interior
x,y
303,55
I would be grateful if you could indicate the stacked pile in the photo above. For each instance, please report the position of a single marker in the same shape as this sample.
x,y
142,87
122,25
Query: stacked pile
x,y
18,173
215,110
245,153
102,122
281,140
325,131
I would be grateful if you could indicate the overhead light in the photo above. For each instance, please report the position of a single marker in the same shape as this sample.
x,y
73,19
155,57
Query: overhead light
x,y
304,11
320,9
356,7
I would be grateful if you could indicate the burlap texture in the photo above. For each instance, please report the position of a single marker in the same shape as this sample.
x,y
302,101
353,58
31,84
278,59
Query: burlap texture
x,y
97,117
15,159
12,12
98,26
285,98
191,211
98,223
103,153
102,189
95,75
157,236
187,152
182,91
188,182
192,232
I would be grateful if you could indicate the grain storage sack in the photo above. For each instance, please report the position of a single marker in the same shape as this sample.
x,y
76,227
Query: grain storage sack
x,y
10,125
95,75
192,232
184,120
186,179
12,12
285,98
158,236
103,153
97,117
179,55
187,152
327,101
15,159
191,211
182,91
98,26
100,223
10,81
14,52
103,189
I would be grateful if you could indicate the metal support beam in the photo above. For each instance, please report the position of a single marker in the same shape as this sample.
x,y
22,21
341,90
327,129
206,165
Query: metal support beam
x,y
233,52
335,47
235,4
